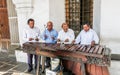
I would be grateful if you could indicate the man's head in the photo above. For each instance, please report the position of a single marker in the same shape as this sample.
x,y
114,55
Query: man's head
x,y
31,23
86,27
49,25
65,27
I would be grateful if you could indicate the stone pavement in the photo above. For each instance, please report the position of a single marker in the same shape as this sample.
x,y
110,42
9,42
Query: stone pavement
x,y
115,68
9,66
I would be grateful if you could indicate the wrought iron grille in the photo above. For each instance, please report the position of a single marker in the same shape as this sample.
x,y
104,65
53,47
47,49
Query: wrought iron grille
x,y
79,12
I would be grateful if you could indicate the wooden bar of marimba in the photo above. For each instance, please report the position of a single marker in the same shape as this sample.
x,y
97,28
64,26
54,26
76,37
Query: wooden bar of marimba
x,y
96,55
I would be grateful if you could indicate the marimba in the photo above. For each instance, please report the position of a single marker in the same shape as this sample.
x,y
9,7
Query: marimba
x,y
97,54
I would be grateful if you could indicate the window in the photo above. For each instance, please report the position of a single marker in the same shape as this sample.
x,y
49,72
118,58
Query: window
x,y
79,12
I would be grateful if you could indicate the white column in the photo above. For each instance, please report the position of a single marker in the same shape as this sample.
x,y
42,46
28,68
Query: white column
x,y
24,9
40,13
96,15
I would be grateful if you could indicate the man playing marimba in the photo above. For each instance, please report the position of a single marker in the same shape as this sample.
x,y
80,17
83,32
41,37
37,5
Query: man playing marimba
x,y
88,37
50,36
66,34
31,34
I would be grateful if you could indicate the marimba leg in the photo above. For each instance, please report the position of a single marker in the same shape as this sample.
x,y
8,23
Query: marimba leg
x,y
82,67
38,65
43,63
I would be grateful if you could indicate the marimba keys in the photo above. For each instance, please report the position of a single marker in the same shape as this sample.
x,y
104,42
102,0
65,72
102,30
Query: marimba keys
x,y
95,54
96,49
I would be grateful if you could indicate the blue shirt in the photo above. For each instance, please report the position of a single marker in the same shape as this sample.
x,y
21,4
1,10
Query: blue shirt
x,y
50,34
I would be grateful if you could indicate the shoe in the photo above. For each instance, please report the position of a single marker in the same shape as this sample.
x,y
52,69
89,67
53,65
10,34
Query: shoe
x,y
47,66
29,70
36,67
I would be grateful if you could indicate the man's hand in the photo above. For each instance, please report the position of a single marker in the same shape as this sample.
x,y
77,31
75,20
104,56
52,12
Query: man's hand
x,y
45,36
92,43
73,41
30,39
58,40
36,39
67,40
53,38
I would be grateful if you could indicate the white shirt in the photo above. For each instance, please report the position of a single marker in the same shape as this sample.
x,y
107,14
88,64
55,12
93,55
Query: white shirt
x,y
87,37
31,33
62,35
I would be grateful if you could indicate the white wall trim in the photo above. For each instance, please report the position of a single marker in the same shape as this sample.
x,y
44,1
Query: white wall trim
x,y
96,15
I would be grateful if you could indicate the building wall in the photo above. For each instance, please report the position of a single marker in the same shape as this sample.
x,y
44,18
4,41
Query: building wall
x,y
48,10
40,10
40,13
105,20
57,13
110,24
96,15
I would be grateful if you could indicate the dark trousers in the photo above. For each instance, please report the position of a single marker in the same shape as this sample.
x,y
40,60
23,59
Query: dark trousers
x,y
30,58
48,61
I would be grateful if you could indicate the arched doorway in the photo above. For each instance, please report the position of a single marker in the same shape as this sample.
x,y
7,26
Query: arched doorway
x,y
4,25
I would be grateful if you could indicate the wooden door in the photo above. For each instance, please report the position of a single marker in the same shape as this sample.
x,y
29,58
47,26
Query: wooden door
x,y
4,27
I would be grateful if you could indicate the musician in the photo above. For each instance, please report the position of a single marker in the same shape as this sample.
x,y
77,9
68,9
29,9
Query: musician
x,y
50,36
87,36
32,34
66,34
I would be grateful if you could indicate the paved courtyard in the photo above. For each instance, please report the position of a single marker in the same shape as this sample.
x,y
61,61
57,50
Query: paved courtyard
x,y
9,66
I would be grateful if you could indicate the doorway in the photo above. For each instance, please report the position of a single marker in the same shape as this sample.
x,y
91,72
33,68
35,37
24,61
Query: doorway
x,y
4,26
